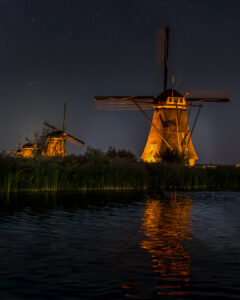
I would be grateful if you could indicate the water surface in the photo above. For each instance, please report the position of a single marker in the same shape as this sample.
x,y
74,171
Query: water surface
x,y
120,246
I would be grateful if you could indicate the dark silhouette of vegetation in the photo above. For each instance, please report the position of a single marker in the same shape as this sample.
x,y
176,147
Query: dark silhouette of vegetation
x,y
40,140
113,169
173,156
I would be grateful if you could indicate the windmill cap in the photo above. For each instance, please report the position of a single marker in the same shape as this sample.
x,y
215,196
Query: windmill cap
x,y
167,93
29,145
57,133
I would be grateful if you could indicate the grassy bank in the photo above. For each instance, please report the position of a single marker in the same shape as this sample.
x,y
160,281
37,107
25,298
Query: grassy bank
x,y
118,170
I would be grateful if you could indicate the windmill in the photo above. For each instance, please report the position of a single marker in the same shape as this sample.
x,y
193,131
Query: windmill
x,y
169,130
25,151
56,140
28,150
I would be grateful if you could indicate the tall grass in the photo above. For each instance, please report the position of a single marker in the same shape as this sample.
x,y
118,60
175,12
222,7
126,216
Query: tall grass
x,y
118,170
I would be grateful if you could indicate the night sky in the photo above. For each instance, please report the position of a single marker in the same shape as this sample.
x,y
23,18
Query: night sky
x,y
56,51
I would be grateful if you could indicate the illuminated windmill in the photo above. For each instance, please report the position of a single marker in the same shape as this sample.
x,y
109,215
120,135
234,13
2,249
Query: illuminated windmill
x,y
56,140
171,111
25,151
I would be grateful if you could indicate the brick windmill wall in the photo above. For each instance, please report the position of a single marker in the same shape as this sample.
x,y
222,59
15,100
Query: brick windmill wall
x,y
172,124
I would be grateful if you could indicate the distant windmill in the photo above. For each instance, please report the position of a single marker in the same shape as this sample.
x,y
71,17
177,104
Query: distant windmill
x,y
171,110
25,151
28,150
56,140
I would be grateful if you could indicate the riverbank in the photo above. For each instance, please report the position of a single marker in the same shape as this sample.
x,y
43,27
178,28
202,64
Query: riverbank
x,y
120,170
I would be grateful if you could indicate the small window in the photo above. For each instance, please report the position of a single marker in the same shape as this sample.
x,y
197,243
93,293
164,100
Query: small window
x,y
176,100
170,99
181,100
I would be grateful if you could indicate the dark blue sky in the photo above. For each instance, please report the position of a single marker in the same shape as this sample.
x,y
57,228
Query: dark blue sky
x,y
56,51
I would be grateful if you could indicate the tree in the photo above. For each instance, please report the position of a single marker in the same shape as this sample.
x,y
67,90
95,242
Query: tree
x,y
40,140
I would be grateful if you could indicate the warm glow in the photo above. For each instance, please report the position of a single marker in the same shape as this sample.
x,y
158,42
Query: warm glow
x,y
166,225
191,162
27,151
171,122
55,147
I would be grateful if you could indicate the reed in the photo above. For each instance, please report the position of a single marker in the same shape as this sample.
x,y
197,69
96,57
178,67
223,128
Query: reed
x,y
119,170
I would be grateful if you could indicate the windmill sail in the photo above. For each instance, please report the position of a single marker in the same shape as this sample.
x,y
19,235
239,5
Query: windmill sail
x,y
123,102
162,57
207,96
74,140
50,125
64,117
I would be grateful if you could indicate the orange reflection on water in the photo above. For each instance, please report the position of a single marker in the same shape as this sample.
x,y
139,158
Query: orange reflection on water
x,y
166,225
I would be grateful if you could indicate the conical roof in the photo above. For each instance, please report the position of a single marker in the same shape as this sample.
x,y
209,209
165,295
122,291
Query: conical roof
x,y
56,134
167,93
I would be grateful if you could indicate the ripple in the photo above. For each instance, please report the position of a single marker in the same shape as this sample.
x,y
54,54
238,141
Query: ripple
x,y
115,246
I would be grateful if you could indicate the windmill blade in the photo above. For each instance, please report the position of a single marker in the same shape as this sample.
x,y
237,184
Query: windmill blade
x,y
64,116
166,58
73,140
121,106
28,140
207,96
19,142
9,151
162,55
123,102
50,125
147,99
207,100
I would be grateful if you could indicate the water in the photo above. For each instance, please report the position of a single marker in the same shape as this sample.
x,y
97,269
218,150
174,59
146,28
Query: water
x,y
120,246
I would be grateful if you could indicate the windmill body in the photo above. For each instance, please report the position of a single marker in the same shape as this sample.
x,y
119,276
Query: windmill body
x,y
171,121
27,151
55,145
